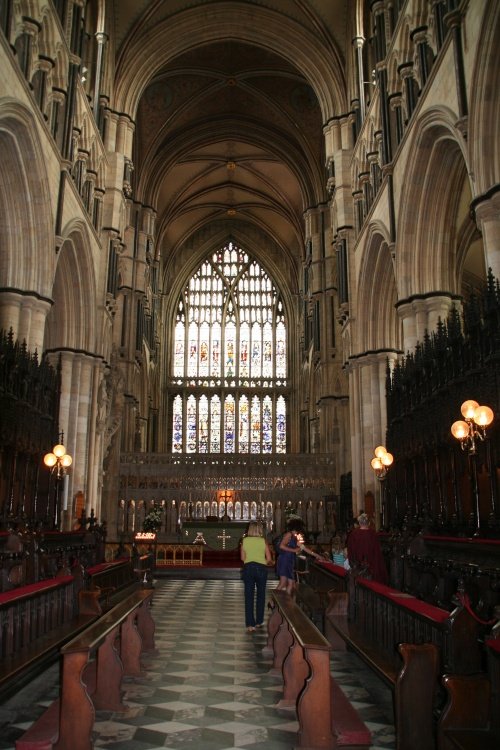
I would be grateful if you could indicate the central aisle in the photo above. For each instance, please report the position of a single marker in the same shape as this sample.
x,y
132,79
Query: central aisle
x,y
208,687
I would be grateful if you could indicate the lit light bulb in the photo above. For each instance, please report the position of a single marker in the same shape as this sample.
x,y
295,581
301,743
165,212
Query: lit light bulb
x,y
376,464
460,429
66,460
380,451
468,408
59,450
50,460
483,416
387,459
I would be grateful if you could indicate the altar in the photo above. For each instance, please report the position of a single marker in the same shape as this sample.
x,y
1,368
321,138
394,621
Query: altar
x,y
218,535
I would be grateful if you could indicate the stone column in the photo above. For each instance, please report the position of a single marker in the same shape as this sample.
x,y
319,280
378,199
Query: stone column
x,y
358,44
396,107
356,436
26,315
437,307
74,414
406,314
368,417
487,212
422,313
419,307
10,311
419,36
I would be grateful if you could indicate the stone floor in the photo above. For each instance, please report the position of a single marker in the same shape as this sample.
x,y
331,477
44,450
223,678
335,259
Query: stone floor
x,y
208,686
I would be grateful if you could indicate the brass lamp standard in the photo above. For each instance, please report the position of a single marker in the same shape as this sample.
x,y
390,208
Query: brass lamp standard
x,y
58,461
380,463
477,419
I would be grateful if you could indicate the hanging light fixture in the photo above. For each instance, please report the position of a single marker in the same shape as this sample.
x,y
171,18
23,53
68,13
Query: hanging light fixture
x,y
58,461
473,425
381,461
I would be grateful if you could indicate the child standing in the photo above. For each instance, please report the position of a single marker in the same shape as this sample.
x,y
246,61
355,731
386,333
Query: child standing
x,y
291,545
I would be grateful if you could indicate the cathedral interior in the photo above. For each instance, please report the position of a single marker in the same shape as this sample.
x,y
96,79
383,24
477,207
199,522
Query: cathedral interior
x,y
244,244
249,271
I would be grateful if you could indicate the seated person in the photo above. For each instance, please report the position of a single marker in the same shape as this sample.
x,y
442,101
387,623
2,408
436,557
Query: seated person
x,y
338,555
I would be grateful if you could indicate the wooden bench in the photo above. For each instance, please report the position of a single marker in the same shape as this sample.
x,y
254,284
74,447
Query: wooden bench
x,y
91,675
313,603
385,617
301,656
35,620
390,625
471,717
111,578
314,586
324,576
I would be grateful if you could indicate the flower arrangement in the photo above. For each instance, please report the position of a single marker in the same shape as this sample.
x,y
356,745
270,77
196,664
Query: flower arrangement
x,y
291,513
152,519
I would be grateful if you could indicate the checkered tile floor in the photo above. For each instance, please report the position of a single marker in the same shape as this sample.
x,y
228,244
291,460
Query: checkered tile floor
x,y
208,686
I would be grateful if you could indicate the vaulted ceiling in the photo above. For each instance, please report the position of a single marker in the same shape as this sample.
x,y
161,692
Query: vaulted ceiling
x,y
228,124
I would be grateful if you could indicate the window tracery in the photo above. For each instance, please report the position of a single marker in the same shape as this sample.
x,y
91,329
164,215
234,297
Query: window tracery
x,y
229,366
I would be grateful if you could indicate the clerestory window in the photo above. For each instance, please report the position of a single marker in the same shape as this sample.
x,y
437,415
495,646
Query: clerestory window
x,y
229,364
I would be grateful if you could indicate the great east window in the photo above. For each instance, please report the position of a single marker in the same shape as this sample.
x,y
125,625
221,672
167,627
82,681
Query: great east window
x,y
229,359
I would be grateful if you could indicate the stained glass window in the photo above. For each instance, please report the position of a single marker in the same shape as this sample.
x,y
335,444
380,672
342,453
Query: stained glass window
x,y
203,425
230,359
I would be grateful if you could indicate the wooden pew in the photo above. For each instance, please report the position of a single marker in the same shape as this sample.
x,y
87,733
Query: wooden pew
x,y
91,675
471,717
390,625
32,556
111,577
431,567
301,655
314,586
35,620
385,617
326,576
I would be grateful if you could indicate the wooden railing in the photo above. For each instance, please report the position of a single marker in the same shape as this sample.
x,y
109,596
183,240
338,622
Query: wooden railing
x,y
35,620
38,618
179,554
30,557
163,554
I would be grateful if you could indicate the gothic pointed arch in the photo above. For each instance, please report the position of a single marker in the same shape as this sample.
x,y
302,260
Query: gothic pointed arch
x,y
377,320
26,229
228,379
71,323
152,47
432,206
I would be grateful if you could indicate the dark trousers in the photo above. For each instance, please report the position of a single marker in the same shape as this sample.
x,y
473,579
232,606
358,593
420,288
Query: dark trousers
x,y
255,579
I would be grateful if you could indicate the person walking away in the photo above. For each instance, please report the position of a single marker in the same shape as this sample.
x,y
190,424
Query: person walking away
x,y
256,556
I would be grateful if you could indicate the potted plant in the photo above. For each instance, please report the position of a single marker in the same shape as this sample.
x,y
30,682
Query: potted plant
x,y
152,520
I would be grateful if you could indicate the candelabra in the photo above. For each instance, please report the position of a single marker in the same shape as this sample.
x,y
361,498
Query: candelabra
x,y
58,461
469,430
477,418
380,463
